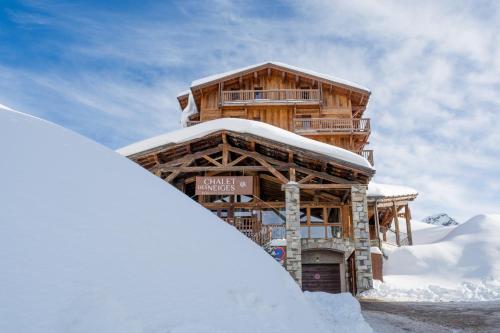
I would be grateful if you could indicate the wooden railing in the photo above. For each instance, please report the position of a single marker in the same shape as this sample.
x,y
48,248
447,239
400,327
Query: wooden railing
x,y
368,154
260,233
275,96
322,125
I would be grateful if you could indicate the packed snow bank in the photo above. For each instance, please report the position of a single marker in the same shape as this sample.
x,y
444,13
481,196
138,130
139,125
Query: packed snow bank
x,y
246,126
463,266
90,242
341,311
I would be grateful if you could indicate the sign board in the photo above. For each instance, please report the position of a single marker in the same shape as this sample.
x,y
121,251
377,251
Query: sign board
x,y
224,185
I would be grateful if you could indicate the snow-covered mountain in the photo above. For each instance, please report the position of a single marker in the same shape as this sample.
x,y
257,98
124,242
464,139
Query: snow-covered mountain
x,y
91,242
440,219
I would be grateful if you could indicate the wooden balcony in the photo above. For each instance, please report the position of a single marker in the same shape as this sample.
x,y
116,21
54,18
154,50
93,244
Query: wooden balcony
x,y
260,233
331,125
275,96
368,154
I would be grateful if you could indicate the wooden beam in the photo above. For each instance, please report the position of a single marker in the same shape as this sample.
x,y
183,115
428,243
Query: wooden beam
x,y
307,179
292,174
262,161
408,225
225,155
211,160
396,224
214,168
323,186
175,173
238,160
189,157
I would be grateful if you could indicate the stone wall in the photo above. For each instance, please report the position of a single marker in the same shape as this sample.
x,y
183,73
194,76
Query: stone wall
x,y
293,262
364,277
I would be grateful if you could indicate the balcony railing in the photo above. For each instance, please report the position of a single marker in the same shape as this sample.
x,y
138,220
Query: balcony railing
x,y
329,125
256,231
368,154
275,96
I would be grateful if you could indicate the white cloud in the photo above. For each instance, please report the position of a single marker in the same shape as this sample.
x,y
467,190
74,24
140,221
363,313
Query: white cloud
x,y
433,67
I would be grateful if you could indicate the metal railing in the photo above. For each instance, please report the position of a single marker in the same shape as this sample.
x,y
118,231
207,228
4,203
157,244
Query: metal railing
x,y
275,96
321,125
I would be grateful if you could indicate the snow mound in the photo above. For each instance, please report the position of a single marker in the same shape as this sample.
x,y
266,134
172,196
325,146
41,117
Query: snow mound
x,y
339,311
440,219
463,266
246,126
90,242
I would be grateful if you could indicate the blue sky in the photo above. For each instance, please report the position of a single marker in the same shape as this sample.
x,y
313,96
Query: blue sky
x,y
111,71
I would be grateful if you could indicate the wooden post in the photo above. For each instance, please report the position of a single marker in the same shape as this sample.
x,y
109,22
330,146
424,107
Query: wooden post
x,y
384,235
377,225
396,223
408,224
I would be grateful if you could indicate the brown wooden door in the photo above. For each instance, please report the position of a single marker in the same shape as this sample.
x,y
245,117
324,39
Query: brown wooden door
x,y
321,277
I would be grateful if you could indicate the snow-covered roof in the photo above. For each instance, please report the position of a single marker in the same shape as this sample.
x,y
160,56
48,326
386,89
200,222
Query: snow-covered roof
x,y
388,190
190,110
327,77
184,93
250,127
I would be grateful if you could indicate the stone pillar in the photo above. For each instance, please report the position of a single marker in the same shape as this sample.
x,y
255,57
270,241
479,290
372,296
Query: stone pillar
x,y
363,261
293,262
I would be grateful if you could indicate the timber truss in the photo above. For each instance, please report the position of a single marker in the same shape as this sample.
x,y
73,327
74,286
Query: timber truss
x,y
275,163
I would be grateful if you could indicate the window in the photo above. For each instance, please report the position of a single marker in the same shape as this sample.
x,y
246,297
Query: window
x,y
258,93
333,215
316,215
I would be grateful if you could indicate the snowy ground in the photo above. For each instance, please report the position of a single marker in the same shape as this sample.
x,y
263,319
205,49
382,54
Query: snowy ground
x,y
420,317
458,263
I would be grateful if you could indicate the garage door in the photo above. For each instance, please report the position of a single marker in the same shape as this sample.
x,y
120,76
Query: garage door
x,y
321,277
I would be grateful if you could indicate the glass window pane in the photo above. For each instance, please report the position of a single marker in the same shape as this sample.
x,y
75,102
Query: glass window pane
x,y
334,232
303,215
318,232
304,233
333,215
316,215
273,216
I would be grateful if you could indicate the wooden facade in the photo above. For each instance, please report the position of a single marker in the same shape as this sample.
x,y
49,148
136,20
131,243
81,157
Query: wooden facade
x,y
331,213
305,104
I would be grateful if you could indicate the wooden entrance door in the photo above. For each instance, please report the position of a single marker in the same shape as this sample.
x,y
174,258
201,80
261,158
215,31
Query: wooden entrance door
x,y
321,277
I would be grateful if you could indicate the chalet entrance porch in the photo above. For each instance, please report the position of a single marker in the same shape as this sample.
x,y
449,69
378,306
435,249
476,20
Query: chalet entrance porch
x,y
271,190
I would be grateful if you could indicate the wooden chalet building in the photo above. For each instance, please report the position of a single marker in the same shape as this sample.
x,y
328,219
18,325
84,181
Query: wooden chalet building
x,y
290,170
